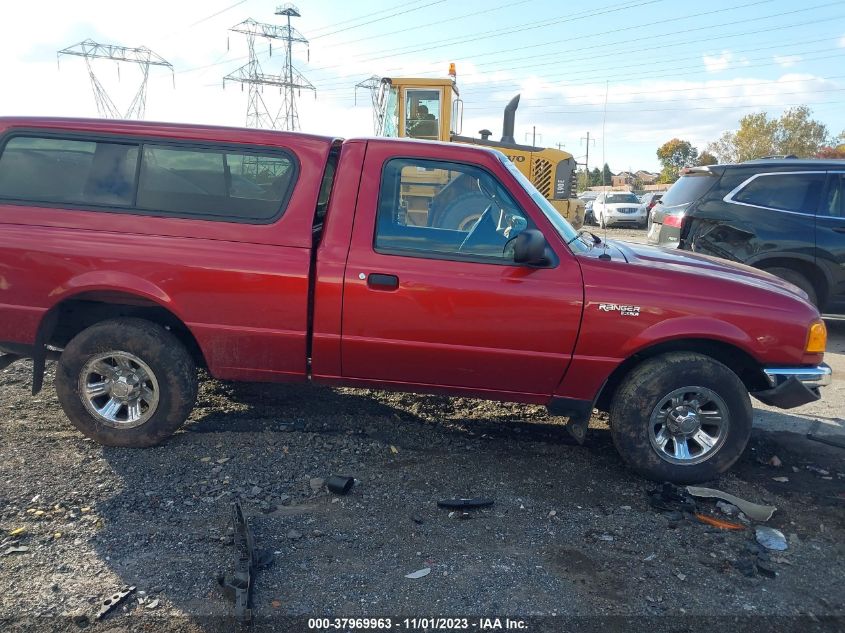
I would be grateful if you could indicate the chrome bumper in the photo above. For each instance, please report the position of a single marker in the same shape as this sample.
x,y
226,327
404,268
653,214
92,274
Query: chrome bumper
x,y
820,376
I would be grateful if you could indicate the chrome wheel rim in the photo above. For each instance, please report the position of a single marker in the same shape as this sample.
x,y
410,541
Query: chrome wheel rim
x,y
468,222
689,425
119,389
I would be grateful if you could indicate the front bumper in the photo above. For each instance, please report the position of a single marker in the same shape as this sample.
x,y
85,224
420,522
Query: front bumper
x,y
793,386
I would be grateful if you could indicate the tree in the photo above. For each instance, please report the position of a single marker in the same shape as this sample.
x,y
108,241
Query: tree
x,y
831,152
795,132
706,158
606,175
595,177
675,155
583,180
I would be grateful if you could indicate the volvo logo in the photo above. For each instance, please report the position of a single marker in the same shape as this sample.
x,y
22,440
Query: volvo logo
x,y
517,159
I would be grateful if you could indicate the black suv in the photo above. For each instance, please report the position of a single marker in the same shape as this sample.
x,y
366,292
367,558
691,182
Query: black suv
x,y
786,216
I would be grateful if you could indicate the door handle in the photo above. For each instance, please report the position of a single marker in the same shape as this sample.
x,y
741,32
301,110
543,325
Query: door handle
x,y
378,281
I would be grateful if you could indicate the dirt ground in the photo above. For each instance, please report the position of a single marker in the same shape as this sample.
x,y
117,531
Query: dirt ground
x,y
571,531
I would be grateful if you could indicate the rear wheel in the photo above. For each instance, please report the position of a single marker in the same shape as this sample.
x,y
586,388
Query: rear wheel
x,y
126,382
797,279
681,417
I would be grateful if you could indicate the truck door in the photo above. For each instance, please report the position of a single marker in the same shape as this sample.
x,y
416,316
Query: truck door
x,y
830,240
426,305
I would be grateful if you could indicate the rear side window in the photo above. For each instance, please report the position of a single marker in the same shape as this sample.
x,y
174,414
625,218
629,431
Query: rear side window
x,y
68,171
213,183
689,188
799,193
147,177
834,206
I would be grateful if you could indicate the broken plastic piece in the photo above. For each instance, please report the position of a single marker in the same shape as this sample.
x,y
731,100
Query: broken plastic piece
x,y
112,601
753,511
425,571
340,484
461,504
719,523
770,538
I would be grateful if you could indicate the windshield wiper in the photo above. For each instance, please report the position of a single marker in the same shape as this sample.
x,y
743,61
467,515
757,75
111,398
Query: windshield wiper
x,y
594,239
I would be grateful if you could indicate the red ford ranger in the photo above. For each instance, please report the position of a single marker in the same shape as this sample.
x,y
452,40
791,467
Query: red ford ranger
x,y
135,252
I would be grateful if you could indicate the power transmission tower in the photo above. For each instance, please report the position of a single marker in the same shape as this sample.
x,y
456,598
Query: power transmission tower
x,y
376,86
143,57
258,114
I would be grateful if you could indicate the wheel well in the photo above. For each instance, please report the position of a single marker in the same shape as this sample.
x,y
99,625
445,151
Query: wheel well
x,y
71,316
740,362
812,272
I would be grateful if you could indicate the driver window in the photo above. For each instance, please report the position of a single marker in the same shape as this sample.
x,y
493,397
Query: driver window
x,y
422,114
446,211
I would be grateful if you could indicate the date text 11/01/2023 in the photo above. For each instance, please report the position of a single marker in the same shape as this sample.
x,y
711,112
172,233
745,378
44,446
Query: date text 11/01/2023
x,y
417,624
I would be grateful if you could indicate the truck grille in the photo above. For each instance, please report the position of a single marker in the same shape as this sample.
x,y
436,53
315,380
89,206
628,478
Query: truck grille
x,y
541,176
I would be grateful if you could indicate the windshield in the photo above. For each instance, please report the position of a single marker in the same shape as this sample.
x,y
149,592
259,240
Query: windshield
x,y
616,198
563,227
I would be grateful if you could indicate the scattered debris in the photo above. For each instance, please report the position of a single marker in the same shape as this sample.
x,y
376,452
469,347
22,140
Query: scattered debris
x,y
111,602
461,504
650,557
781,480
79,617
719,523
728,508
420,573
16,550
316,483
770,538
17,531
552,513
416,518
775,461
394,450
681,576
671,498
605,537
294,535
340,484
754,511
817,470
152,604
237,586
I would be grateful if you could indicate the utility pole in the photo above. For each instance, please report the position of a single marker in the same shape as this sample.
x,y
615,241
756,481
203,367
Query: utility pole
x,y
143,57
258,114
587,159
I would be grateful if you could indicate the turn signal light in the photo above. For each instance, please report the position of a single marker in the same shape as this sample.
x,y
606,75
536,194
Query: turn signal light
x,y
816,338
673,220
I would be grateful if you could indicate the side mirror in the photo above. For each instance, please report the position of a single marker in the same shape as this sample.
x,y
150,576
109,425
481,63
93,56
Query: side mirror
x,y
530,247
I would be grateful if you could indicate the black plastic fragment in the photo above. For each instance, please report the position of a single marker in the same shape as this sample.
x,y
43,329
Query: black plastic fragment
x,y
340,484
461,504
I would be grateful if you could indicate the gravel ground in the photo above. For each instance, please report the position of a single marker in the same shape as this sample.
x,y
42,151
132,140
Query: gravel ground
x,y
571,530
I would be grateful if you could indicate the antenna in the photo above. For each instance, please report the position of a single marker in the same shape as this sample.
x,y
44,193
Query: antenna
x,y
142,56
290,82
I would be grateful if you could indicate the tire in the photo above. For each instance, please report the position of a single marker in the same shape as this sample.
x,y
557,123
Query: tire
x,y
602,221
796,279
463,212
158,376
637,404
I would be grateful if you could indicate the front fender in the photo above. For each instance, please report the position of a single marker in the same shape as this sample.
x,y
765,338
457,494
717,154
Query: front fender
x,y
690,327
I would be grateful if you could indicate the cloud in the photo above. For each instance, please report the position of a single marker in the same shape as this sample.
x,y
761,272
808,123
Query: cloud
x,y
717,63
787,61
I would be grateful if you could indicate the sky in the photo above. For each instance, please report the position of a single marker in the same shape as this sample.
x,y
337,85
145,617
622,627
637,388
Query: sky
x,y
633,74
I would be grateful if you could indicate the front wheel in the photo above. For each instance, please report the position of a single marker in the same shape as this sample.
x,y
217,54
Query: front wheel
x,y
602,221
681,417
126,382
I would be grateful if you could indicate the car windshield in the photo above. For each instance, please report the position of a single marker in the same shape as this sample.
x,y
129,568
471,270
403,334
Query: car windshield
x,y
564,228
617,198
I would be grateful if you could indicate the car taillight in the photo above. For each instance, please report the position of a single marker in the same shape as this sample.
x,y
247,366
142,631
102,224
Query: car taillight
x,y
673,220
651,205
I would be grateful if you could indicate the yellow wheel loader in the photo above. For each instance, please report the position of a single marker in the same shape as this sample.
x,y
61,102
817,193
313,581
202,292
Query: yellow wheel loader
x,y
431,109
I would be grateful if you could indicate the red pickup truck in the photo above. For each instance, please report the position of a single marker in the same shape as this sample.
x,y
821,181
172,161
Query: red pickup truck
x,y
135,252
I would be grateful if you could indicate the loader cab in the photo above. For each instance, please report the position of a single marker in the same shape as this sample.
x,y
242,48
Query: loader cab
x,y
428,109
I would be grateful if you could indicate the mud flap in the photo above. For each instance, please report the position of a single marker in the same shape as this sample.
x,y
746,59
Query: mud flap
x,y
788,395
577,428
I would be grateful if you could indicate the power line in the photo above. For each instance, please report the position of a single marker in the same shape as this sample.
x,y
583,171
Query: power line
x,y
367,15
387,17
613,31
